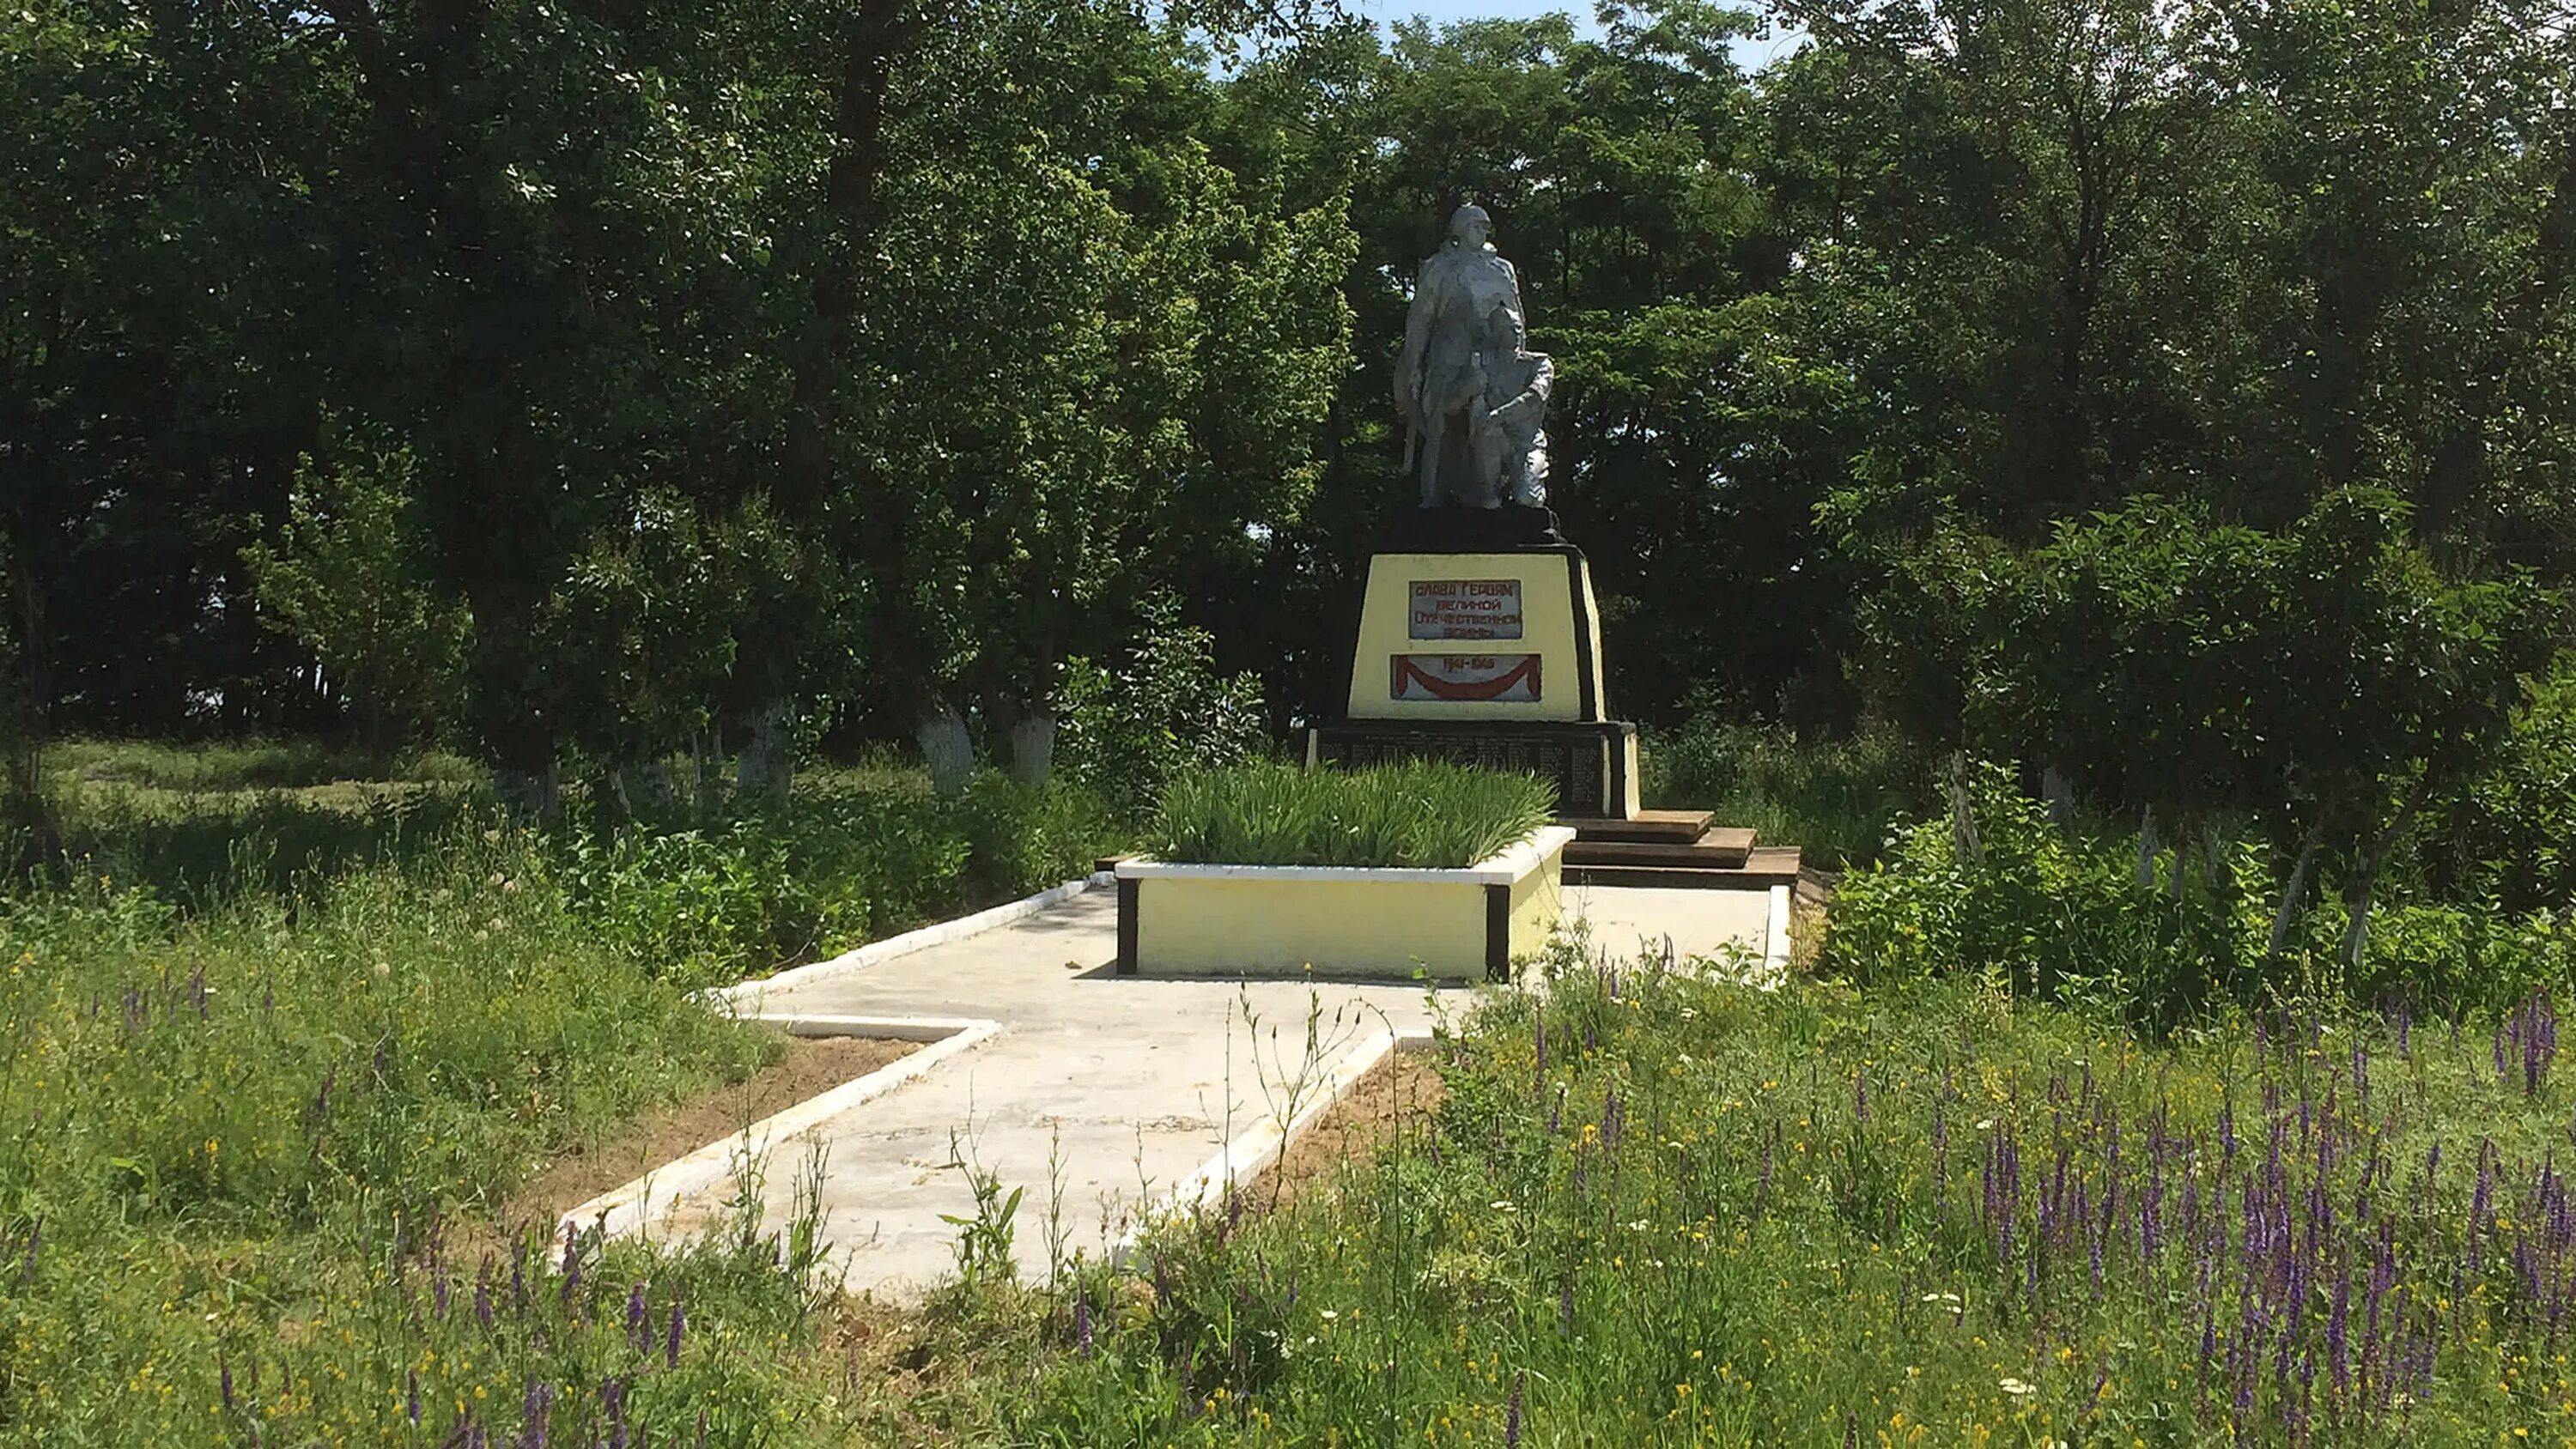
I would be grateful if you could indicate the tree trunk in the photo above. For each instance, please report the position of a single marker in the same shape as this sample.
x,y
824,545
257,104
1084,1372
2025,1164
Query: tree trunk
x,y
536,793
643,787
2356,931
1032,745
2292,893
768,764
1963,814
2059,792
945,745
2147,849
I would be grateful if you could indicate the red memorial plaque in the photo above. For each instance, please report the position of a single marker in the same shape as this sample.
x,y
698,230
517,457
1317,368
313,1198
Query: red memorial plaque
x,y
1466,678
1465,609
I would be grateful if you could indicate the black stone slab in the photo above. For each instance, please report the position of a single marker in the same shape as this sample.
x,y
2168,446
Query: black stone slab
x,y
1452,529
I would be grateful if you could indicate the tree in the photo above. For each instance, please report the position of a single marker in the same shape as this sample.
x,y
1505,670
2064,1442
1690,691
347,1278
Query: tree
x,y
343,578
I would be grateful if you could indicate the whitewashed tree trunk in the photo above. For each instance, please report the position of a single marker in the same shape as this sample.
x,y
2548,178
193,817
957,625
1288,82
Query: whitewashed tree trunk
x,y
538,793
2059,792
768,764
2292,893
2356,931
2147,849
945,745
1963,814
1032,745
643,787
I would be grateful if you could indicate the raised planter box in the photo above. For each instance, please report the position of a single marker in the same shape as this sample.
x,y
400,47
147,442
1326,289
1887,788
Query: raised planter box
x,y
1297,920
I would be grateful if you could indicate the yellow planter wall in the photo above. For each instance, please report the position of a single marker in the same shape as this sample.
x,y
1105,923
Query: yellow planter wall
x,y
1295,921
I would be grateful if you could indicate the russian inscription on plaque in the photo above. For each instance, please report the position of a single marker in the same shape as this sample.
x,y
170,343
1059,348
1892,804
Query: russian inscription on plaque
x,y
1466,609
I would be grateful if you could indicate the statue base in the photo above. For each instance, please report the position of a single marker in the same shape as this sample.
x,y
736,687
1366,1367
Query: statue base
x,y
1487,656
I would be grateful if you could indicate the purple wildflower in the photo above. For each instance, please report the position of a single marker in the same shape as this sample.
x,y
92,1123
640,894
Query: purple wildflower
x,y
533,1412
678,1325
1512,1412
411,1397
225,1368
571,1268
639,1322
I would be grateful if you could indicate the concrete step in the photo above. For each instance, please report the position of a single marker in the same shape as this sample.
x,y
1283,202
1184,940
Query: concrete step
x,y
1764,867
1679,827
1716,850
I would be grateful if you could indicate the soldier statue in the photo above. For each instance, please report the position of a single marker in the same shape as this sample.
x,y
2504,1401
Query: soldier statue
x,y
1472,395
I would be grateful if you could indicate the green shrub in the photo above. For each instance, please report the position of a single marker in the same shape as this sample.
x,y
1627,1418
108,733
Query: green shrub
x,y
2064,917
1837,800
1161,713
829,868
2510,834
1424,815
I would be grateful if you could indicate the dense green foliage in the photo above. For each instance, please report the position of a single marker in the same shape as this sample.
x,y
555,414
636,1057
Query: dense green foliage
x,y
1999,892
592,385
1422,815
842,862
1837,800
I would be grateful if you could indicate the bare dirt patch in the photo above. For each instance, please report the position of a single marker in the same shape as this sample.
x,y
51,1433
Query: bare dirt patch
x,y
1395,1098
809,1067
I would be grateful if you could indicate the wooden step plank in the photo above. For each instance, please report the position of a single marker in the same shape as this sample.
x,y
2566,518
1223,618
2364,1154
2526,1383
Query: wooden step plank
x,y
1767,866
1708,853
1680,826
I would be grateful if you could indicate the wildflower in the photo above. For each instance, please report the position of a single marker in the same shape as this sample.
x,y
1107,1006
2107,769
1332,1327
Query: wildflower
x,y
533,1413
2018,1388
571,1267
671,1337
1512,1413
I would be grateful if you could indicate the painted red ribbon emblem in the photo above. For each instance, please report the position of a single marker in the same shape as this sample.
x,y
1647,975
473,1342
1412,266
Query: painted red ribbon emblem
x,y
1408,673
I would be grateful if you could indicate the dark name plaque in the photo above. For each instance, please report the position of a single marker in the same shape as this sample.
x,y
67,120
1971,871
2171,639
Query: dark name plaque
x,y
1587,763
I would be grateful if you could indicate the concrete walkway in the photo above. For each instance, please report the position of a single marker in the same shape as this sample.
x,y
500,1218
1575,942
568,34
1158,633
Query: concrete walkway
x,y
1114,1089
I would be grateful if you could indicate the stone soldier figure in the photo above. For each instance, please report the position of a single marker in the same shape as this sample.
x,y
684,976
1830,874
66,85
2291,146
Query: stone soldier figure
x,y
1510,436
1440,381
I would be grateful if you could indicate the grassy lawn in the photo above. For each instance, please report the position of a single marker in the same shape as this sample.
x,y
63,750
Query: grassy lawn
x,y
260,1198
1665,1211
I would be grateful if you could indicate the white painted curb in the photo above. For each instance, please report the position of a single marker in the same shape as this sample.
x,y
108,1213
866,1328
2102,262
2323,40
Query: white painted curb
x,y
1504,867
1254,1149
629,1208
1775,952
860,958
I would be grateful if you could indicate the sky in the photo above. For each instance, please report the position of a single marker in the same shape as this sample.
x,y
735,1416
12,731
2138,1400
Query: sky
x,y
1751,54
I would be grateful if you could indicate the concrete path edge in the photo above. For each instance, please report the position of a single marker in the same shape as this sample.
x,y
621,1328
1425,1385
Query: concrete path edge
x,y
626,1209
1255,1148
861,957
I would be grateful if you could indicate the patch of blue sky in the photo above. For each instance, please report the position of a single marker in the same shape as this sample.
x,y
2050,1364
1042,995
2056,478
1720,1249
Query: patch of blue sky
x,y
1750,53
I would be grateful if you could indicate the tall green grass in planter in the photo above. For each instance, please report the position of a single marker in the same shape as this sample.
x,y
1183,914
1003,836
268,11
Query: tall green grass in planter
x,y
1422,815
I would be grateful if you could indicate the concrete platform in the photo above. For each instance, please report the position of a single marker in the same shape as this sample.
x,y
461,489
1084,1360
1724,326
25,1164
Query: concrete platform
x,y
1099,1094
